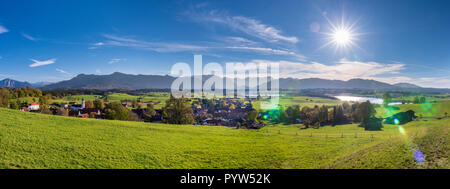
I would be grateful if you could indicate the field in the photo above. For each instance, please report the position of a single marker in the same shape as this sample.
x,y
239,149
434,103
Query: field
x,y
29,140
302,101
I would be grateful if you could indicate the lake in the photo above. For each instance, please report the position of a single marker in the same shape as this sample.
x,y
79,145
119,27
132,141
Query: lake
x,y
363,99
360,99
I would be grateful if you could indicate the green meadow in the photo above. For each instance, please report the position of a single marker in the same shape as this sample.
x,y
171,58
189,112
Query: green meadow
x,y
31,140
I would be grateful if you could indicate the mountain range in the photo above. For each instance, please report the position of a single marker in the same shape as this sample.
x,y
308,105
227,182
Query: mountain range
x,y
10,83
119,80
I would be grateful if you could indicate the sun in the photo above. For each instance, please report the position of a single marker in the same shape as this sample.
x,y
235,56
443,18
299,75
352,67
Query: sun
x,y
342,37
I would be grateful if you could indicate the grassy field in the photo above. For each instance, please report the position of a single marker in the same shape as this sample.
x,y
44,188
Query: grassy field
x,y
424,110
29,140
302,101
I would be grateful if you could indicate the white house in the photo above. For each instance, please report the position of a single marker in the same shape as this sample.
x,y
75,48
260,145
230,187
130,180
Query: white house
x,y
33,106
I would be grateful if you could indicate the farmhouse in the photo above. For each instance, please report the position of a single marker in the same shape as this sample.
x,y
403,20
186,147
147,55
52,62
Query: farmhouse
x,y
33,107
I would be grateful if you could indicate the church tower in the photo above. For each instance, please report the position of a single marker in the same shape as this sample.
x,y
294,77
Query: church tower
x,y
82,103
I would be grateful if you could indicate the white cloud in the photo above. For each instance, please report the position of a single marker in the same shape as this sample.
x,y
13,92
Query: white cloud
x,y
243,24
154,46
239,40
29,37
342,70
118,41
96,45
115,60
98,71
42,63
3,29
62,71
264,50
435,82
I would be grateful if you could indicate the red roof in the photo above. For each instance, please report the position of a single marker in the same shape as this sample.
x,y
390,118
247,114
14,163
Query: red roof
x,y
34,104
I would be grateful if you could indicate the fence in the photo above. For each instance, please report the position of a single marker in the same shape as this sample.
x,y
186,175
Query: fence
x,y
329,135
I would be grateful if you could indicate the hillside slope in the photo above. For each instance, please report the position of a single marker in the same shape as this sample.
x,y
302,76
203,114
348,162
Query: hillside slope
x,y
30,140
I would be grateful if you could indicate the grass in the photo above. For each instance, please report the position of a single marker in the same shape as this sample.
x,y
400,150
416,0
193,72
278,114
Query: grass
x,y
154,97
29,140
424,110
302,101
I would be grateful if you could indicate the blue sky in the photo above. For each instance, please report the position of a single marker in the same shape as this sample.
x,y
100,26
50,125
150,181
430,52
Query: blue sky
x,y
393,41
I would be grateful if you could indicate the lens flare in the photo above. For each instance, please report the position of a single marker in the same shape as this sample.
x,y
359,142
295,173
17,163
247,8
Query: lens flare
x,y
396,121
418,156
401,130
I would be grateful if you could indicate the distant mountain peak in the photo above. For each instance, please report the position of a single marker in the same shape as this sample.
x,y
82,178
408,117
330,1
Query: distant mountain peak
x,y
10,83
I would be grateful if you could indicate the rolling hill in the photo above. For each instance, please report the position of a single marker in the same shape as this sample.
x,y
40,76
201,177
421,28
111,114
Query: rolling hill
x,y
31,141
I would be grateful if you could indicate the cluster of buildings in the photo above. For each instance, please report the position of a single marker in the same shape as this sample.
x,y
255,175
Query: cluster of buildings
x,y
220,112
223,112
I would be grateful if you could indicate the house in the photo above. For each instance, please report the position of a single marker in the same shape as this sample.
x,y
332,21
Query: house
x,y
98,113
33,106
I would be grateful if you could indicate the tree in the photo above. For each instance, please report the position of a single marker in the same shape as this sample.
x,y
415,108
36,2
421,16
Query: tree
x,y
323,114
312,118
422,100
14,105
365,111
150,110
253,115
293,113
134,104
116,111
346,107
4,97
416,100
62,111
177,111
37,93
89,104
386,99
338,115
98,103
46,110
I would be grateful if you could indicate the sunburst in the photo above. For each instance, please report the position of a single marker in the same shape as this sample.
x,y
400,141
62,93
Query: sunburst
x,y
342,36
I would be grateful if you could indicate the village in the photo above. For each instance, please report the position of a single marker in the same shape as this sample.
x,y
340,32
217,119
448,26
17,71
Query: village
x,y
214,112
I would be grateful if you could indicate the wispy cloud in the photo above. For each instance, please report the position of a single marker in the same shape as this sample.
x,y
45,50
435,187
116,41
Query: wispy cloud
x,y
115,60
62,71
98,71
97,45
118,41
29,37
263,50
342,70
3,29
42,63
249,26
437,82
239,40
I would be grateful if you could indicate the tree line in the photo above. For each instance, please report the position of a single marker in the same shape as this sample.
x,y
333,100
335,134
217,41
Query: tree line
x,y
318,116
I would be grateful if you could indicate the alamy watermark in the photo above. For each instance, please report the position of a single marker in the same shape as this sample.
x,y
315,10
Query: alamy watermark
x,y
236,80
